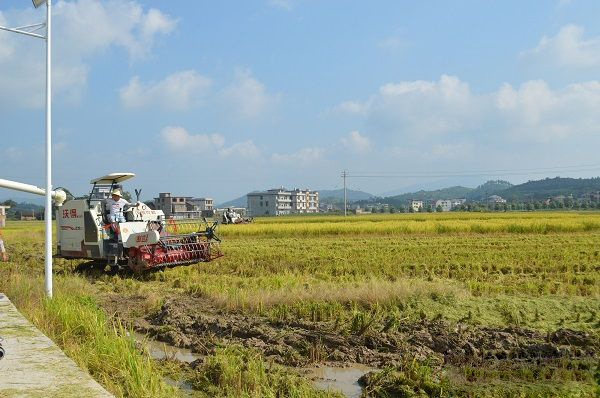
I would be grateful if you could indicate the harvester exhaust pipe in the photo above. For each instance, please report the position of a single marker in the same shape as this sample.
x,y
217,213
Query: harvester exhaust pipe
x,y
59,196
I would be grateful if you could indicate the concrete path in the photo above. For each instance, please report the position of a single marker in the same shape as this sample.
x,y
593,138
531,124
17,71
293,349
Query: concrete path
x,y
33,366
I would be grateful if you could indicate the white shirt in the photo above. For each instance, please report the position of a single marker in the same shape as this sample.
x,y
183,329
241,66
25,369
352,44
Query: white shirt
x,y
116,207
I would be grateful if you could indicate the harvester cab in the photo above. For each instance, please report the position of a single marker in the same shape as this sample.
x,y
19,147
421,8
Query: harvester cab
x,y
145,240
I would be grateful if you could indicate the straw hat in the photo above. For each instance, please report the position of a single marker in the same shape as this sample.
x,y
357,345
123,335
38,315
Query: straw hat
x,y
117,192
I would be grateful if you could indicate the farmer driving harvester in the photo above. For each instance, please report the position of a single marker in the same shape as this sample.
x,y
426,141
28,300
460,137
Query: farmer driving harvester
x,y
115,205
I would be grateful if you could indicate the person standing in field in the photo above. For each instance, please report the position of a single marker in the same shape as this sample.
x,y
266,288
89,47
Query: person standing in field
x,y
3,249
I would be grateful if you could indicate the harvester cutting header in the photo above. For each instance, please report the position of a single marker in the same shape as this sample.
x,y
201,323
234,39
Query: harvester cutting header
x,y
103,227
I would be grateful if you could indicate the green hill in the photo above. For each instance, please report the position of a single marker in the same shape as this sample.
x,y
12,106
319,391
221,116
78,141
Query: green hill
x,y
549,187
445,193
492,187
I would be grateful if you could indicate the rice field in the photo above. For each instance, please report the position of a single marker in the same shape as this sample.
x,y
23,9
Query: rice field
x,y
359,278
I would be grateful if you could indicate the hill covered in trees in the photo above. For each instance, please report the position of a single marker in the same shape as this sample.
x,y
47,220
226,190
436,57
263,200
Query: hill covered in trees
x,y
529,191
551,187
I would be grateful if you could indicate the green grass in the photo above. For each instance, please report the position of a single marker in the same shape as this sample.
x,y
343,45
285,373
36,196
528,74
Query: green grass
x,y
96,343
238,372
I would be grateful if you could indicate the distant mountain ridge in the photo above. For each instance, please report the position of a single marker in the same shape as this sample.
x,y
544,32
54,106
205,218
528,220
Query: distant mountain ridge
x,y
445,193
351,194
238,202
531,190
549,187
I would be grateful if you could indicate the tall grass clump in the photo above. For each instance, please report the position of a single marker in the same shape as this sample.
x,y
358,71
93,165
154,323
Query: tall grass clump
x,y
97,344
238,372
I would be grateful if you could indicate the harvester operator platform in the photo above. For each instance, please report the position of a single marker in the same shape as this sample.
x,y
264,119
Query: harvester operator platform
x,y
115,205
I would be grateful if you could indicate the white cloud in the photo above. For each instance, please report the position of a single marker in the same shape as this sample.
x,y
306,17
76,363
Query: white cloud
x,y
353,107
447,111
247,97
179,139
534,110
392,44
59,147
83,29
283,4
568,48
426,107
178,91
90,26
435,152
564,3
13,152
451,151
245,149
155,22
304,156
356,142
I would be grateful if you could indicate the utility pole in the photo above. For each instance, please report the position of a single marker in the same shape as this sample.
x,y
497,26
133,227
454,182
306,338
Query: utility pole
x,y
344,175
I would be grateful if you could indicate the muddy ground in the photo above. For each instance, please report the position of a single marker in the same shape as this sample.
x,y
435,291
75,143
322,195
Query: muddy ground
x,y
196,324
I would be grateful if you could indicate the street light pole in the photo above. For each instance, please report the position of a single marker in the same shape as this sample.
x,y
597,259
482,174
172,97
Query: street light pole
x,y
48,212
29,30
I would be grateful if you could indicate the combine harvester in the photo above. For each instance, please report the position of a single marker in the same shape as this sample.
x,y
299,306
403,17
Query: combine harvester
x,y
144,241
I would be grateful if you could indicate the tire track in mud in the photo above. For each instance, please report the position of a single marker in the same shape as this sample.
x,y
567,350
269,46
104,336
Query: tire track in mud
x,y
198,325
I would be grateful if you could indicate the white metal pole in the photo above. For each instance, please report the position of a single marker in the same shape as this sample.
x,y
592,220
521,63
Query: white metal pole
x,y
344,173
48,212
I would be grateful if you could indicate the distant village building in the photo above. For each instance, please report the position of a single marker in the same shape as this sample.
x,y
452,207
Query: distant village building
x,y
3,216
327,207
447,204
305,201
416,205
203,203
178,207
277,202
495,199
380,207
443,204
27,216
457,202
591,196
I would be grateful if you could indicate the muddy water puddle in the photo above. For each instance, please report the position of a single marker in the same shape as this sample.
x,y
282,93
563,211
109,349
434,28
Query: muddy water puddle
x,y
158,350
343,380
340,379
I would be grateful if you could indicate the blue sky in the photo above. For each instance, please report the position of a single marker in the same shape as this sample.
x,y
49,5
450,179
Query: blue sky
x,y
220,98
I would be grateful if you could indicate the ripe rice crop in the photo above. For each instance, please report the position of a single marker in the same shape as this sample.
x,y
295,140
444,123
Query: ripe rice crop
x,y
366,274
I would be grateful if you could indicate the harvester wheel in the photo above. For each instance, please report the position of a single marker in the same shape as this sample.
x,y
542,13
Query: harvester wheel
x,y
135,262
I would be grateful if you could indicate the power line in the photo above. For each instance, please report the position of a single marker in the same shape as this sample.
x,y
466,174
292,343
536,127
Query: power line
x,y
594,165
481,173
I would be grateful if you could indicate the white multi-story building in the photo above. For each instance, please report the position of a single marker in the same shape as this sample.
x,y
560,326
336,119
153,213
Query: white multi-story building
x,y
305,201
447,204
183,206
444,204
277,202
457,202
496,199
202,203
417,205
